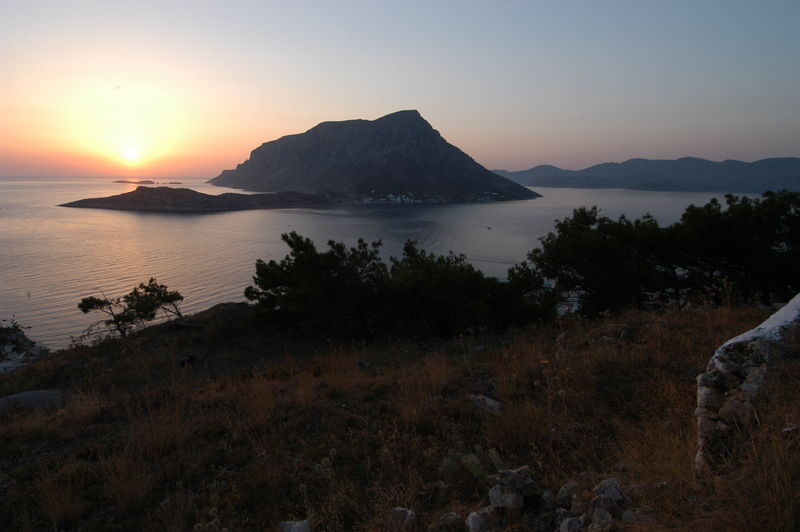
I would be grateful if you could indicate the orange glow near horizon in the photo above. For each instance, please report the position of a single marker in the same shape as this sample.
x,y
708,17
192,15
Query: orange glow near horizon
x,y
133,125
85,118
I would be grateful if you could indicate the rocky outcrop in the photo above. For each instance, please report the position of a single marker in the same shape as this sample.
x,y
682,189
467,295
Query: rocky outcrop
x,y
16,349
729,390
33,400
166,199
398,158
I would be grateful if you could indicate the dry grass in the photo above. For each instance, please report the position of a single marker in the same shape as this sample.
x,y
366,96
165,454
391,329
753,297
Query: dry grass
x,y
517,370
59,493
156,429
127,478
344,436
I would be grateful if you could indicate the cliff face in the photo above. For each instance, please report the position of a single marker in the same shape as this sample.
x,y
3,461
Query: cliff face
x,y
399,156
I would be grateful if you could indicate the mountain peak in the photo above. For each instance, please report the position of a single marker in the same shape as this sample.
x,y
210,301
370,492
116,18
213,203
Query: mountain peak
x,y
408,114
398,157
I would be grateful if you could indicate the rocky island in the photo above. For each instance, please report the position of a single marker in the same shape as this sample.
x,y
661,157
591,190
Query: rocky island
x,y
186,200
398,158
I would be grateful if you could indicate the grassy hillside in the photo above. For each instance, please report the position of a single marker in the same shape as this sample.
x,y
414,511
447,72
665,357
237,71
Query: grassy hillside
x,y
256,430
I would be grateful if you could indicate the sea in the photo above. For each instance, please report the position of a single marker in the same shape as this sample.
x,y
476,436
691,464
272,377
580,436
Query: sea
x,y
51,256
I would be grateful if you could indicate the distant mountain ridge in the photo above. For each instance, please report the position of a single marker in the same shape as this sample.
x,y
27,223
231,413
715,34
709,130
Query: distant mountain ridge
x,y
687,173
397,158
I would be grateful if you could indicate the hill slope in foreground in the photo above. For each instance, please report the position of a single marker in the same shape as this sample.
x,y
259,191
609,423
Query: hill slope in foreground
x,y
257,430
396,158
687,173
185,200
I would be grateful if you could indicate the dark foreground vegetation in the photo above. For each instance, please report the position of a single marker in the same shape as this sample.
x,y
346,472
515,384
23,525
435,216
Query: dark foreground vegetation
x,y
255,432
247,415
750,249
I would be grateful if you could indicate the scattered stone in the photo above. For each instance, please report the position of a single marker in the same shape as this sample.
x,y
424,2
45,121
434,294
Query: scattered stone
x,y
33,400
629,516
644,490
450,517
612,488
499,499
449,469
600,520
560,515
402,519
513,485
487,404
627,466
547,501
565,494
536,522
606,503
578,508
570,524
519,480
494,457
474,466
483,520
448,521
294,526
790,432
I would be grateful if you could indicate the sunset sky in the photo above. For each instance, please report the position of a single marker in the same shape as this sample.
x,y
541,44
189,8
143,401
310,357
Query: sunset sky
x,y
188,88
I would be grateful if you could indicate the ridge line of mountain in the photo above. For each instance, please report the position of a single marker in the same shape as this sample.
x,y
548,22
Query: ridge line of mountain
x,y
686,173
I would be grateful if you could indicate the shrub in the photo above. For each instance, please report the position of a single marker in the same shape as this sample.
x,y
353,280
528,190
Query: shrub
x,y
132,310
751,248
351,293
335,292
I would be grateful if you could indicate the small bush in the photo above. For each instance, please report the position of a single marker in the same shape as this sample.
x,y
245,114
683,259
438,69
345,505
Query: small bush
x,y
142,304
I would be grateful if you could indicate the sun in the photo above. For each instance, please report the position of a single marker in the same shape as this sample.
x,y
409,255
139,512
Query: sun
x,y
130,153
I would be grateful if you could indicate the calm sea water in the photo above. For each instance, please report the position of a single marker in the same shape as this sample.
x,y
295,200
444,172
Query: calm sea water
x,y
51,257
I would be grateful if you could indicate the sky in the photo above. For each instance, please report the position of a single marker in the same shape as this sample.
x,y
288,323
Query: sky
x,y
189,88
